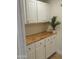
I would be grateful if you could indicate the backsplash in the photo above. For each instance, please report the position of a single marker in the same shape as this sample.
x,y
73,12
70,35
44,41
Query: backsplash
x,y
35,28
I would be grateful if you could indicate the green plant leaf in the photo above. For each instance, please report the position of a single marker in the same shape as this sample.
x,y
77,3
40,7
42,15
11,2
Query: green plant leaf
x,y
54,23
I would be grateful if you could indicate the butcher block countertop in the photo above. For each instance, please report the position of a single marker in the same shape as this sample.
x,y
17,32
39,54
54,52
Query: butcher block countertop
x,y
36,37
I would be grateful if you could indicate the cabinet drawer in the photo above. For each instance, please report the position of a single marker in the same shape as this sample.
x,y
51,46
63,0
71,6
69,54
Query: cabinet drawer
x,y
40,43
52,39
30,47
48,40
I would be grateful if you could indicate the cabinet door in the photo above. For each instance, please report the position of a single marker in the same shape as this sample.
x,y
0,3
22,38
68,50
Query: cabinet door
x,y
50,46
40,50
31,51
31,11
43,12
53,46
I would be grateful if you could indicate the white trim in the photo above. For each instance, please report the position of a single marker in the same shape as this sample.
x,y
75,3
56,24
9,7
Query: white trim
x,y
21,47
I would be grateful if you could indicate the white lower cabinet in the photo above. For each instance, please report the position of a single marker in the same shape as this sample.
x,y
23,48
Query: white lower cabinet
x,y
53,44
41,49
31,51
50,46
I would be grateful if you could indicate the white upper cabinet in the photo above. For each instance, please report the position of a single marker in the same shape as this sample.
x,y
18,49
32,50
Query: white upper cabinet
x,y
36,11
31,11
43,11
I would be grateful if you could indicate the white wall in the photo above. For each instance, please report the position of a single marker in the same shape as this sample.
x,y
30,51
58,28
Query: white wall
x,y
56,10
35,28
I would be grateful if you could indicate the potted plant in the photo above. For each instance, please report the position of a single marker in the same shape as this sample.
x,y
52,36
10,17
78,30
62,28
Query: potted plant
x,y
54,23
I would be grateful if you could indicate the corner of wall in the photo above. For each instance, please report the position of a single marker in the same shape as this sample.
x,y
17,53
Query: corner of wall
x,y
59,52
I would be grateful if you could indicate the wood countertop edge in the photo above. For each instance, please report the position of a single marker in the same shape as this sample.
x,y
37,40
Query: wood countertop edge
x,y
36,40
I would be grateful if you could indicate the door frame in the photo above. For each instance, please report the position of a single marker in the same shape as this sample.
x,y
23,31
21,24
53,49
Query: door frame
x,y
21,46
